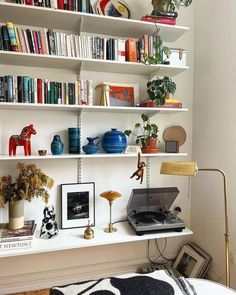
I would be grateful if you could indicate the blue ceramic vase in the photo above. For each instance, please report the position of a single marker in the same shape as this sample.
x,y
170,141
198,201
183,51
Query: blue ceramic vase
x,y
57,145
91,147
114,141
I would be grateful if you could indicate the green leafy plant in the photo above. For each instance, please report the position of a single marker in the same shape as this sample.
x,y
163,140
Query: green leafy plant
x,y
146,129
164,6
31,182
160,88
157,58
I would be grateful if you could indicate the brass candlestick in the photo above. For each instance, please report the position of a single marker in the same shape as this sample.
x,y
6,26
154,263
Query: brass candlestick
x,y
110,196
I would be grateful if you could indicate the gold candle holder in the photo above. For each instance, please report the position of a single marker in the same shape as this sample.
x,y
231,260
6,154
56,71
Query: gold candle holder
x,y
110,196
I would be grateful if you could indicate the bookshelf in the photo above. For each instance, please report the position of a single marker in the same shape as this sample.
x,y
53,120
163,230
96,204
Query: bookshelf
x,y
79,64
83,22
73,239
76,22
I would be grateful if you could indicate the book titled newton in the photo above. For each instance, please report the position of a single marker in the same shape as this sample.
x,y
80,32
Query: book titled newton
x,y
26,232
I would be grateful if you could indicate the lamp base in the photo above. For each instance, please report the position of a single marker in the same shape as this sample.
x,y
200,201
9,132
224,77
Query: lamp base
x,y
110,229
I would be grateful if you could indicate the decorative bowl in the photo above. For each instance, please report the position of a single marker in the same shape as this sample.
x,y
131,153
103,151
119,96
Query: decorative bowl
x,y
42,152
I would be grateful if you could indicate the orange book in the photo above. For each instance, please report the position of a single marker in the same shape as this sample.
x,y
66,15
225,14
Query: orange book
x,y
131,50
146,47
43,42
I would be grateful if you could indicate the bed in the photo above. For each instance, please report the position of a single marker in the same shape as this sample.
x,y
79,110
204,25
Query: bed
x,y
160,282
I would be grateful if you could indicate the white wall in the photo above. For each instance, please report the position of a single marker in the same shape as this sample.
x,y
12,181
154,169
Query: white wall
x,y
35,271
214,126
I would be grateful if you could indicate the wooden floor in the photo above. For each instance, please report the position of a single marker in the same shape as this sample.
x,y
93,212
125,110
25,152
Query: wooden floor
x,y
40,292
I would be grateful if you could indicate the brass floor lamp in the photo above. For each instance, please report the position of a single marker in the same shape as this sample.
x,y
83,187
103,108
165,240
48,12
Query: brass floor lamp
x,y
191,169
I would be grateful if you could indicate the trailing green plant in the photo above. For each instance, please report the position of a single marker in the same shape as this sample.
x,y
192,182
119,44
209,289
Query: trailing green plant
x,y
31,182
157,57
146,130
159,88
164,6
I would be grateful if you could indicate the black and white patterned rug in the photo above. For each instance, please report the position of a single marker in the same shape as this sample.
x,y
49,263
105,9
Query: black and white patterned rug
x,y
157,283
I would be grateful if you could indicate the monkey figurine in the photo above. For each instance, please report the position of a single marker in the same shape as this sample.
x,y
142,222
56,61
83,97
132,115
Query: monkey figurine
x,y
139,172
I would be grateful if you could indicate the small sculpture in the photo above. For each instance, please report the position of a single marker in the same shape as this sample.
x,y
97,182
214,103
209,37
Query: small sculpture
x,y
57,146
22,140
104,100
139,172
91,147
49,228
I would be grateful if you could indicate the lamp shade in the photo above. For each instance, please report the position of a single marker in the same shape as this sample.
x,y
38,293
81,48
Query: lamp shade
x,y
179,168
110,195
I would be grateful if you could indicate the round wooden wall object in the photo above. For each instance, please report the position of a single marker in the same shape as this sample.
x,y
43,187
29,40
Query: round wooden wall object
x,y
175,133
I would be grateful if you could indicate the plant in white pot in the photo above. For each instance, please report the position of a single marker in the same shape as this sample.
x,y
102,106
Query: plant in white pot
x,y
30,183
147,135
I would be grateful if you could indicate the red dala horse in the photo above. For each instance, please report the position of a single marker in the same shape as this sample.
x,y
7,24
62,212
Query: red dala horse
x,y
22,140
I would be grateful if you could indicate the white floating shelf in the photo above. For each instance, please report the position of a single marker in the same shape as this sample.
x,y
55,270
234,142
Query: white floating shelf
x,y
88,109
73,239
85,156
91,23
73,63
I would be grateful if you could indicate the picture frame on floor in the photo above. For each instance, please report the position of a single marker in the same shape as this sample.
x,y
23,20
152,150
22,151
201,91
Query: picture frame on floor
x,y
77,205
189,263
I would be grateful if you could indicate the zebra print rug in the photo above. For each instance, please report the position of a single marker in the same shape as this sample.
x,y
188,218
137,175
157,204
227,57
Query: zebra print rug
x,y
157,283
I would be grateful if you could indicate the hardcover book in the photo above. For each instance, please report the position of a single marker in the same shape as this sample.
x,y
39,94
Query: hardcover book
x,y
15,245
27,232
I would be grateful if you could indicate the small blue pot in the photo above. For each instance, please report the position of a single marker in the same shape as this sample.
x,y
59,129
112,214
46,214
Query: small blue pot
x,y
57,145
91,147
74,140
114,141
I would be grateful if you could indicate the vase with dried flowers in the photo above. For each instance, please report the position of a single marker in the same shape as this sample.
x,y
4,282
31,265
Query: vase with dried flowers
x,y
30,183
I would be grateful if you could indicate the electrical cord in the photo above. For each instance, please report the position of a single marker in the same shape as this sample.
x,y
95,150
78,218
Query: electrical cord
x,y
160,253
124,220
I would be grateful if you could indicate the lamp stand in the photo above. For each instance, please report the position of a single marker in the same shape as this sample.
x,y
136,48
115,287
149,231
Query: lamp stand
x,y
227,236
110,228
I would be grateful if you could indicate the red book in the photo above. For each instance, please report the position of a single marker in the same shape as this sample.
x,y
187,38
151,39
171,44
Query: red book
x,y
131,50
161,20
40,90
70,5
60,4
28,2
177,105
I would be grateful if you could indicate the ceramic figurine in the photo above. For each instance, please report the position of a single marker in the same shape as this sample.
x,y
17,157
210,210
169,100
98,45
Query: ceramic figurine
x,y
114,141
139,172
22,140
49,228
57,145
91,147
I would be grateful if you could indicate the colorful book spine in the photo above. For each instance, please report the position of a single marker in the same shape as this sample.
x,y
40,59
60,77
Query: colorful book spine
x,y
12,36
161,20
131,53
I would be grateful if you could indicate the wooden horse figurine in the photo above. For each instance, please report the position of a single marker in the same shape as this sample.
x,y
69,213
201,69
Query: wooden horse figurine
x,y
22,140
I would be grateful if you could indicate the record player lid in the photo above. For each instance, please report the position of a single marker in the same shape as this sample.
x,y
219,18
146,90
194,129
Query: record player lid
x,y
152,199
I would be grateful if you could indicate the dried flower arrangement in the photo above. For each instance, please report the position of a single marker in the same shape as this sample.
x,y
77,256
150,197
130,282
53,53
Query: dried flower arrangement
x,y
31,182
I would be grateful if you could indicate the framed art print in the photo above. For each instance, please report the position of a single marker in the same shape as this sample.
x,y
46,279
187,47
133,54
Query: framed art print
x,y
77,204
123,94
189,262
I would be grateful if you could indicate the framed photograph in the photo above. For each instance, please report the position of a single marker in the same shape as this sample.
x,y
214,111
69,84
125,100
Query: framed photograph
x,y
77,204
189,262
123,94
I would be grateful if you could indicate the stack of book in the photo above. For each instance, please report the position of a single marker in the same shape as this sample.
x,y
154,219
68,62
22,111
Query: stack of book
x,y
24,89
168,18
72,5
171,103
17,239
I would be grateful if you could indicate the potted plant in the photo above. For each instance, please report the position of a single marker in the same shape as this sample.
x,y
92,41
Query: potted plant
x,y
147,135
30,183
160,89
168,6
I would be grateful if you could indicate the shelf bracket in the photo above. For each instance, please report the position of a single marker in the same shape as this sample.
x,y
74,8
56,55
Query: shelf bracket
x,y
148,172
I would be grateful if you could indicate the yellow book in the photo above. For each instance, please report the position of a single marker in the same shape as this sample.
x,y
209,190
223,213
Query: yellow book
x,y
17,39
172,100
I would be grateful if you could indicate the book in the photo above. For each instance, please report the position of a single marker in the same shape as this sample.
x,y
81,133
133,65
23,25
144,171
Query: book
x,y
177,105
6,40
14,245
131,53
161,20
2,89
27,232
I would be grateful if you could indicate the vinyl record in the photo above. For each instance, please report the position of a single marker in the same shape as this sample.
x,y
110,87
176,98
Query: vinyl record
x,y
175,133
114,8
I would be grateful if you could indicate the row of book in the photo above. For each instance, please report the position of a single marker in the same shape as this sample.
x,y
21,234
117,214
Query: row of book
x,y
47,41
23,89
17,239
72,5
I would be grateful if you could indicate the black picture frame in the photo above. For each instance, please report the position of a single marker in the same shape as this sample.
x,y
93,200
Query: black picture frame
x,y
77,205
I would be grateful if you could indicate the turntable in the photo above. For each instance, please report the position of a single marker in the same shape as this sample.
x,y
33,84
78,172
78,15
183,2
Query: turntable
x,y
149,210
